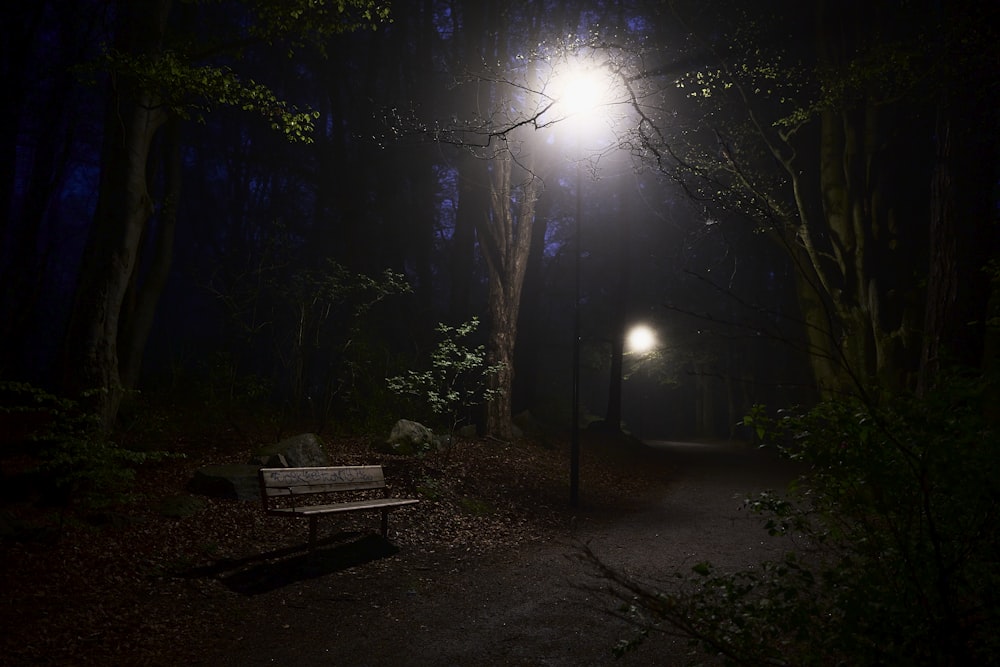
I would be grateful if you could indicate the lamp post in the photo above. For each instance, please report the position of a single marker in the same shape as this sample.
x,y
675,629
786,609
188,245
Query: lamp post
x,y
574,448
582,90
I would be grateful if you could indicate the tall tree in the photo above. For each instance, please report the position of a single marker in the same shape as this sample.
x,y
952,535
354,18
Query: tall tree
x,y
157,74
500,212
123,209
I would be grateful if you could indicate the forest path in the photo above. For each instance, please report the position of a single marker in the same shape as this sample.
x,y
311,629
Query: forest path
x,y
533,607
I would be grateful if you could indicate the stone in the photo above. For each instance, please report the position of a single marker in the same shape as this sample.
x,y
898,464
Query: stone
x,y
409,437
231,480
299,451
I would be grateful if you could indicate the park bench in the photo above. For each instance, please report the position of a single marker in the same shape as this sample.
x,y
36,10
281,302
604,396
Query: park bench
x,y
305,492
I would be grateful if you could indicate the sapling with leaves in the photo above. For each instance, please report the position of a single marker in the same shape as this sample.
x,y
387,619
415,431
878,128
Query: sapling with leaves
x,y
458,377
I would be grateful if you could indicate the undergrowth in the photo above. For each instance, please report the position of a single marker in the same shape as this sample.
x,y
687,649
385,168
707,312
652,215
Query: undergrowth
x,y
64,451
897,553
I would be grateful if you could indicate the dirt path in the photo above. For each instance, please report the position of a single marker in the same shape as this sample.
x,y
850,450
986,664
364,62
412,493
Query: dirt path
x,y
531,607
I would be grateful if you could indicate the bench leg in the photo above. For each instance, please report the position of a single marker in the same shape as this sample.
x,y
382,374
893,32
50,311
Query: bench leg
x,y
385,523
312,533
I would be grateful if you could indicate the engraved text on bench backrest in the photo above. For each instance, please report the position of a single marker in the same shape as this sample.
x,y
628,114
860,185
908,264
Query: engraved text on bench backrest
x,y
294,481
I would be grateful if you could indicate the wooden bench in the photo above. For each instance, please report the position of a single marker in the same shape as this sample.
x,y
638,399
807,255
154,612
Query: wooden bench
x,y
298,492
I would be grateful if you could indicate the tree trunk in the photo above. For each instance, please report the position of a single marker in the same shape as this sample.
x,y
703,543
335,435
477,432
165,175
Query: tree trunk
x,y
942,276
531,347
856,289
704,403
137,319
123,210
613,413
505,241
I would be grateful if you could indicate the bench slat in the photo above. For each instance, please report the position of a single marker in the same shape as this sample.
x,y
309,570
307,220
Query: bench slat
x,y
348,506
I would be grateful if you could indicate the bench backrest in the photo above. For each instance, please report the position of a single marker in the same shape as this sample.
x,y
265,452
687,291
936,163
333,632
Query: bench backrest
x,y
300,481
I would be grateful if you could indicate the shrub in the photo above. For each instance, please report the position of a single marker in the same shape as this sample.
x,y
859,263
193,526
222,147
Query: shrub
x,y
458,378
76,462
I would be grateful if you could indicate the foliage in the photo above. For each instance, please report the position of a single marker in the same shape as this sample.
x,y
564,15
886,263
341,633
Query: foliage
x,y
222,383
192,88
758,422
312,321
328,307
457,379
897,549
73,455
315,19
334,284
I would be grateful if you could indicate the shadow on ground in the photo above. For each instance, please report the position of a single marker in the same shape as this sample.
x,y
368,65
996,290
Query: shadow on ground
x,y
262,573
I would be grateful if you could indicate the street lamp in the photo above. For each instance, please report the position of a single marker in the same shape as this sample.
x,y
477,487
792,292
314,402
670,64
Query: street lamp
x,y
581,91
641,340
574,448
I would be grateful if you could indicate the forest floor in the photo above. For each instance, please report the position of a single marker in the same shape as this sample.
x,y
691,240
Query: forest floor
x,y
486,569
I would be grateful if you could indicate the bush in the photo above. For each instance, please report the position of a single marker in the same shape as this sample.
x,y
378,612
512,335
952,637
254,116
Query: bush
x,y
75,461
899,563
457,380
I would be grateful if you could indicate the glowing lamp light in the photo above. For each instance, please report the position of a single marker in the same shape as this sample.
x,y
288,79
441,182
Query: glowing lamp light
x,y
582,93
641,339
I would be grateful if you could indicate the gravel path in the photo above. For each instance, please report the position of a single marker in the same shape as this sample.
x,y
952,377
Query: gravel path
x,y
533,607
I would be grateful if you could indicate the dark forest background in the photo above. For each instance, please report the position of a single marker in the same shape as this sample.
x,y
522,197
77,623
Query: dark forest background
x,y
224,200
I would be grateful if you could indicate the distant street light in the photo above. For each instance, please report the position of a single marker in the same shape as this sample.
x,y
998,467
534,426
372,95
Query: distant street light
x,y
641,340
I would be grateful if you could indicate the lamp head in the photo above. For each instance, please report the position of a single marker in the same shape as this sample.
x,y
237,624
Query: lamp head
x,y
582,94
